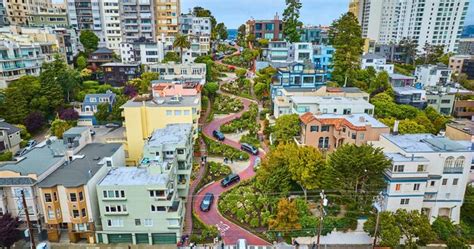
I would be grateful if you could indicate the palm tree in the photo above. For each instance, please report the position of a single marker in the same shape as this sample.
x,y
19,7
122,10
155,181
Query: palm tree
x,y
181,42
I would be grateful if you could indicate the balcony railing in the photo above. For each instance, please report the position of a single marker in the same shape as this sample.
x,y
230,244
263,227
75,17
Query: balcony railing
x,y
453,170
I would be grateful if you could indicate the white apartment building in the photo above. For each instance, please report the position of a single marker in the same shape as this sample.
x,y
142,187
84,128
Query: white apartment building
x,y
192,25
137,20
434,22
428,174
145,53
378,62
200,45
110,14
177,72
85,14
433,75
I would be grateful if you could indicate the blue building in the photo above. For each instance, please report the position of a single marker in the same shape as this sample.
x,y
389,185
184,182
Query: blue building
x,y
322,57
90,106
298,76
314,34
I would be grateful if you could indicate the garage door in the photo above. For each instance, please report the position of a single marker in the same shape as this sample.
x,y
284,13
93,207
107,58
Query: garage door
x,y
163,238
120,238
141,238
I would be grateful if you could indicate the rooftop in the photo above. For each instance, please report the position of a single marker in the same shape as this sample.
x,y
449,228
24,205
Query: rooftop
x,y
120,64
163,101
464,125
171,134
15,181
76,130
344,89
127,176
407,90
86,164
39,159
373,56
10,128
426,143
397,76
398,157
354,121
103,50
329,100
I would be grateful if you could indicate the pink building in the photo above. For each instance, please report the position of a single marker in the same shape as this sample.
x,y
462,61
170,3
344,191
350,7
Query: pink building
x,y
329,131
174,89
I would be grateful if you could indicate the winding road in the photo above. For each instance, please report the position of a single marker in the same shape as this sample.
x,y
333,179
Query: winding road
x,y
229,231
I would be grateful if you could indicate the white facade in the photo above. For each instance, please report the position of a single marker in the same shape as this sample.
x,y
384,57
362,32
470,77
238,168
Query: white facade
x,y
192,25
379,63
329,105
200,45
428,174
176,72
110,14
433,75
145,53
301,52
85,14
425,21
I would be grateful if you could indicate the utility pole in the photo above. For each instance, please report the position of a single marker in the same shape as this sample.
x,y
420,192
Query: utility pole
x,y
378,203
324,202
28,222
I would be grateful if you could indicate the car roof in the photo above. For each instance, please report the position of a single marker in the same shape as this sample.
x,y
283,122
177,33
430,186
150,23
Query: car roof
x,y
208,194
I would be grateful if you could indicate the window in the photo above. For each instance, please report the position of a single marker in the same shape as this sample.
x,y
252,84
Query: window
x,y
72,197
47,197
432,183
455,181
186,112
81,196
180,151
115,223
108,163
449,162
314,128
398,187
148,222
55,196
361,136
75,213
157,193
353,136
324,128
459,162
445,181
404,201
138,222
83,212
177,112
346,111
421,168
398,168
445,101
416,186
114,193
169,112
51,213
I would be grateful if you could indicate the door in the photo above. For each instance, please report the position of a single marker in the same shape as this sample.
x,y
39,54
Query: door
x,y
141,238
164,238
120,238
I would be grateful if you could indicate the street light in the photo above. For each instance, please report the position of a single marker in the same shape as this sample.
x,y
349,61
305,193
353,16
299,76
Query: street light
x,y
378,204
324,203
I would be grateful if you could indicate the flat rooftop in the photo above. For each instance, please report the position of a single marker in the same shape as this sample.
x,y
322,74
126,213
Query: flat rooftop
x,y
413,143
464,125
170,135
129,176
355,119
397,157
88,161
407,90
165,101
329,100
397,76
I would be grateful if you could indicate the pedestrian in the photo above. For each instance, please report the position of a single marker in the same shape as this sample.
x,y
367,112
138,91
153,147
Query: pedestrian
x,y
231,160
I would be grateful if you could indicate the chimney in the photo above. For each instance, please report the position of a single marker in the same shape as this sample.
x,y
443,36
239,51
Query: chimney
x,y
276,16
395,127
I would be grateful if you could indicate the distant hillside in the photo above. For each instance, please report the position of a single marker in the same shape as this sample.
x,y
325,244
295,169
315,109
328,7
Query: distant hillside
x,y
468,31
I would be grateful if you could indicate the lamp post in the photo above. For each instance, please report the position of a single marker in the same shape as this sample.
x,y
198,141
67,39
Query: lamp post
x,y
378,203
324,202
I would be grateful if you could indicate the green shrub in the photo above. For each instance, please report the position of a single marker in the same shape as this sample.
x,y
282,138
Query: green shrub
x,y
6,156
222,150
346,223
246,122
224,104
250,139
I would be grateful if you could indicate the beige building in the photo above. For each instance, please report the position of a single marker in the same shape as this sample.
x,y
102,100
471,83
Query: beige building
x,y
329,131
462,129
20,12
167,13
456,62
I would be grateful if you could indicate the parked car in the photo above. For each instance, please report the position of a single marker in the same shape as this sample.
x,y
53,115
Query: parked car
x,y
249,148
218,135
206,202
112,125
228,180
92,133
32,143
21,152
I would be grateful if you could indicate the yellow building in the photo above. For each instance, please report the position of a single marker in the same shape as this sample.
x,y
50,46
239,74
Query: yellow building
x,y
354,6
143,116
166,17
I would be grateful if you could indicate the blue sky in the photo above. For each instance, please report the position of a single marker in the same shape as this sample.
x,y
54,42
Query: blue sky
x,y
314,12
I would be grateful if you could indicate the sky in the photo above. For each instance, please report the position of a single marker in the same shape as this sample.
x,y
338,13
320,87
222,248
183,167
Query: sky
x,y
314,12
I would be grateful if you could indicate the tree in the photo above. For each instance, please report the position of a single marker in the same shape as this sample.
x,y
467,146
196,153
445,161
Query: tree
x,y
130,90
89,40
9,232
241,35
59,126
433,53
20,98
286,128
446,229
102,112
34,121
273,175
286,218
359,172
409,48
415,227
171,56
81,62
201,12
181,42
116,113
467,208
307,167
345,35
291,22
389,233
52,76
211,89
68,114
221,30
146,80
240,72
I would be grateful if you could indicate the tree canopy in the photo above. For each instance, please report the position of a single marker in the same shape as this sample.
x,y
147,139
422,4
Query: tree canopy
x,y
286,128
9,232
89,40
291,22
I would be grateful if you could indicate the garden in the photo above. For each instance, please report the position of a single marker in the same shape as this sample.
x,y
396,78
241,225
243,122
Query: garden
x,y
247,121
222,150
224,104
240,87
243,60
202,233
214,172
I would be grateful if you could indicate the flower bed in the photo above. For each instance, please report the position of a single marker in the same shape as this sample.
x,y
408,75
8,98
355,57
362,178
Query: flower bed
x,y
224,104
222,150
248,121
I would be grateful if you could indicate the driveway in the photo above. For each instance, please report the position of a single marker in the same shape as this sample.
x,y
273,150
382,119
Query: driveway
x,y
102,133
229,231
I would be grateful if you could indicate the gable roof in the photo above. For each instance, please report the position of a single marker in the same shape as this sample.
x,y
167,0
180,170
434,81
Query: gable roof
x,y
103,50
9,127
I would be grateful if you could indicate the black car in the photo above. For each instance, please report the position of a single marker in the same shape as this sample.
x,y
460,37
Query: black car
x,y
228,180
249,148
218,135
206,202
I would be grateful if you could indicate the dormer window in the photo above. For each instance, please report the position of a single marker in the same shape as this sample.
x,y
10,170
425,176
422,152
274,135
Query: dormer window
x,y
93,100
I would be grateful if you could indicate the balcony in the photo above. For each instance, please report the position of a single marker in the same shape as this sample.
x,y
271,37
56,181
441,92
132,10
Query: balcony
x,y
453,170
